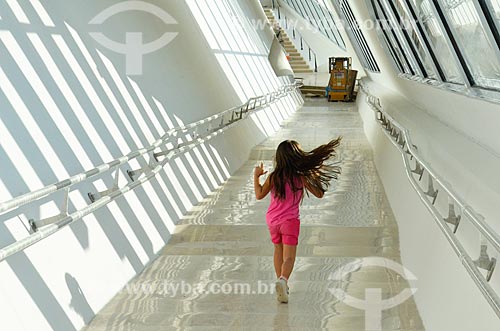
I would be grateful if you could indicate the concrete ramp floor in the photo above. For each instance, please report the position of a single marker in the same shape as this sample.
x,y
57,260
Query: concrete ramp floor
x,y
217,273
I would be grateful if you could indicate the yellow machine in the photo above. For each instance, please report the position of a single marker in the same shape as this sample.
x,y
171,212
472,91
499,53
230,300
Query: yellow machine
x,y
342,79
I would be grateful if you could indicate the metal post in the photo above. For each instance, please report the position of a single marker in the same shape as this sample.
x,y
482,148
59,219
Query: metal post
x,y
432,192
419,170
452,218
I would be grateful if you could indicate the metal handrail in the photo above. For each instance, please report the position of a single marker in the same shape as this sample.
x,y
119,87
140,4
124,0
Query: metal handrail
x,y
401,138
310,50
233,115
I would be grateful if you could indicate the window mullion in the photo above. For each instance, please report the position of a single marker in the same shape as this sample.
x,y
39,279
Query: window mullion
x,y
326,20
492,38
391,31
441,18
423,36
360,40
357,40
336,31
488,9
406,40
320,18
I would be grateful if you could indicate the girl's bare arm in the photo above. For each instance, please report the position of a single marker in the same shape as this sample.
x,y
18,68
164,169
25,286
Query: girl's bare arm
x,y
260,190
318,193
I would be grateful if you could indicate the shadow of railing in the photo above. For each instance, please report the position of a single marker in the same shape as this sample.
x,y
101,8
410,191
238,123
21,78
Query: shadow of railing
x,y
68,106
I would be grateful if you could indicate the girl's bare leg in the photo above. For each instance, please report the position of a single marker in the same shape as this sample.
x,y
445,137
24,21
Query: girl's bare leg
x,y
278,259
289,253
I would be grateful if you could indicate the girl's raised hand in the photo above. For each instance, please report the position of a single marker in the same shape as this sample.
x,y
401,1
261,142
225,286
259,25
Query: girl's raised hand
x,y
259,170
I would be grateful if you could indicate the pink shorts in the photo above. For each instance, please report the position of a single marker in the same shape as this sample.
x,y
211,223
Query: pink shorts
x,y
286,232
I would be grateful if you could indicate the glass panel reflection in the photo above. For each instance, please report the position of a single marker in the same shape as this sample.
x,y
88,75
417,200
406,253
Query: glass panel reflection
x,y
419,44
391,39
436,37
369,60
480,51
495,4
320,17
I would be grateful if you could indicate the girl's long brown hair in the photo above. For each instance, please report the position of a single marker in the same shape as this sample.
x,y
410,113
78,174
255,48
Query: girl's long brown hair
x,y
293,166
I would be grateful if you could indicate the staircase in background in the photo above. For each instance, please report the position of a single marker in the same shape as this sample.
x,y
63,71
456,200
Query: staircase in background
x,y
297,62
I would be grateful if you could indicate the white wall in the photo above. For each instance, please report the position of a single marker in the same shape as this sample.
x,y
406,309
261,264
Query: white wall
x,y
475,118
447,297
67,106
459,137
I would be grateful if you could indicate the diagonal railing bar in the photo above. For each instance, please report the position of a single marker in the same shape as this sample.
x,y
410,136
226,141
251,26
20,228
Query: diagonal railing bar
x,y
243,111
403,142
47,190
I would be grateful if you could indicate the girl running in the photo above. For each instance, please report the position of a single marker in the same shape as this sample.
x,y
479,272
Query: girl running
x,y
295,170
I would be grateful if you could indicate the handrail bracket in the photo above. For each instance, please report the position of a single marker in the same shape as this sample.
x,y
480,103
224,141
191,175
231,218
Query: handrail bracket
x,y
36,224
485,262
93,197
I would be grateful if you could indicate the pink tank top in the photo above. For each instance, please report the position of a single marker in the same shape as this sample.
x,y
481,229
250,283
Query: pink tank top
x,y
287,209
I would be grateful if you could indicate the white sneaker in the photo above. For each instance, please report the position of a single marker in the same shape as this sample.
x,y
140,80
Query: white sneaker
x,y
282,290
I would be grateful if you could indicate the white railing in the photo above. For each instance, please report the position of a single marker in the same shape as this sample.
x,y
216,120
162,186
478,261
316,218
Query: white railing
x,y
167,146
401,139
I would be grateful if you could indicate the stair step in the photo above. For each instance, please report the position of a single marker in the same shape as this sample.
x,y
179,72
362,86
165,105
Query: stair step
x,y
300,66
297,62
303,71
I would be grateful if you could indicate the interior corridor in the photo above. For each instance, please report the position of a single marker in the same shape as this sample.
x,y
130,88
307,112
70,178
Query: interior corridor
x,y
217,272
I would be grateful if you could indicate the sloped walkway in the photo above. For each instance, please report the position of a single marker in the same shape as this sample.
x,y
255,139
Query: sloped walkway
x,y
217,272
